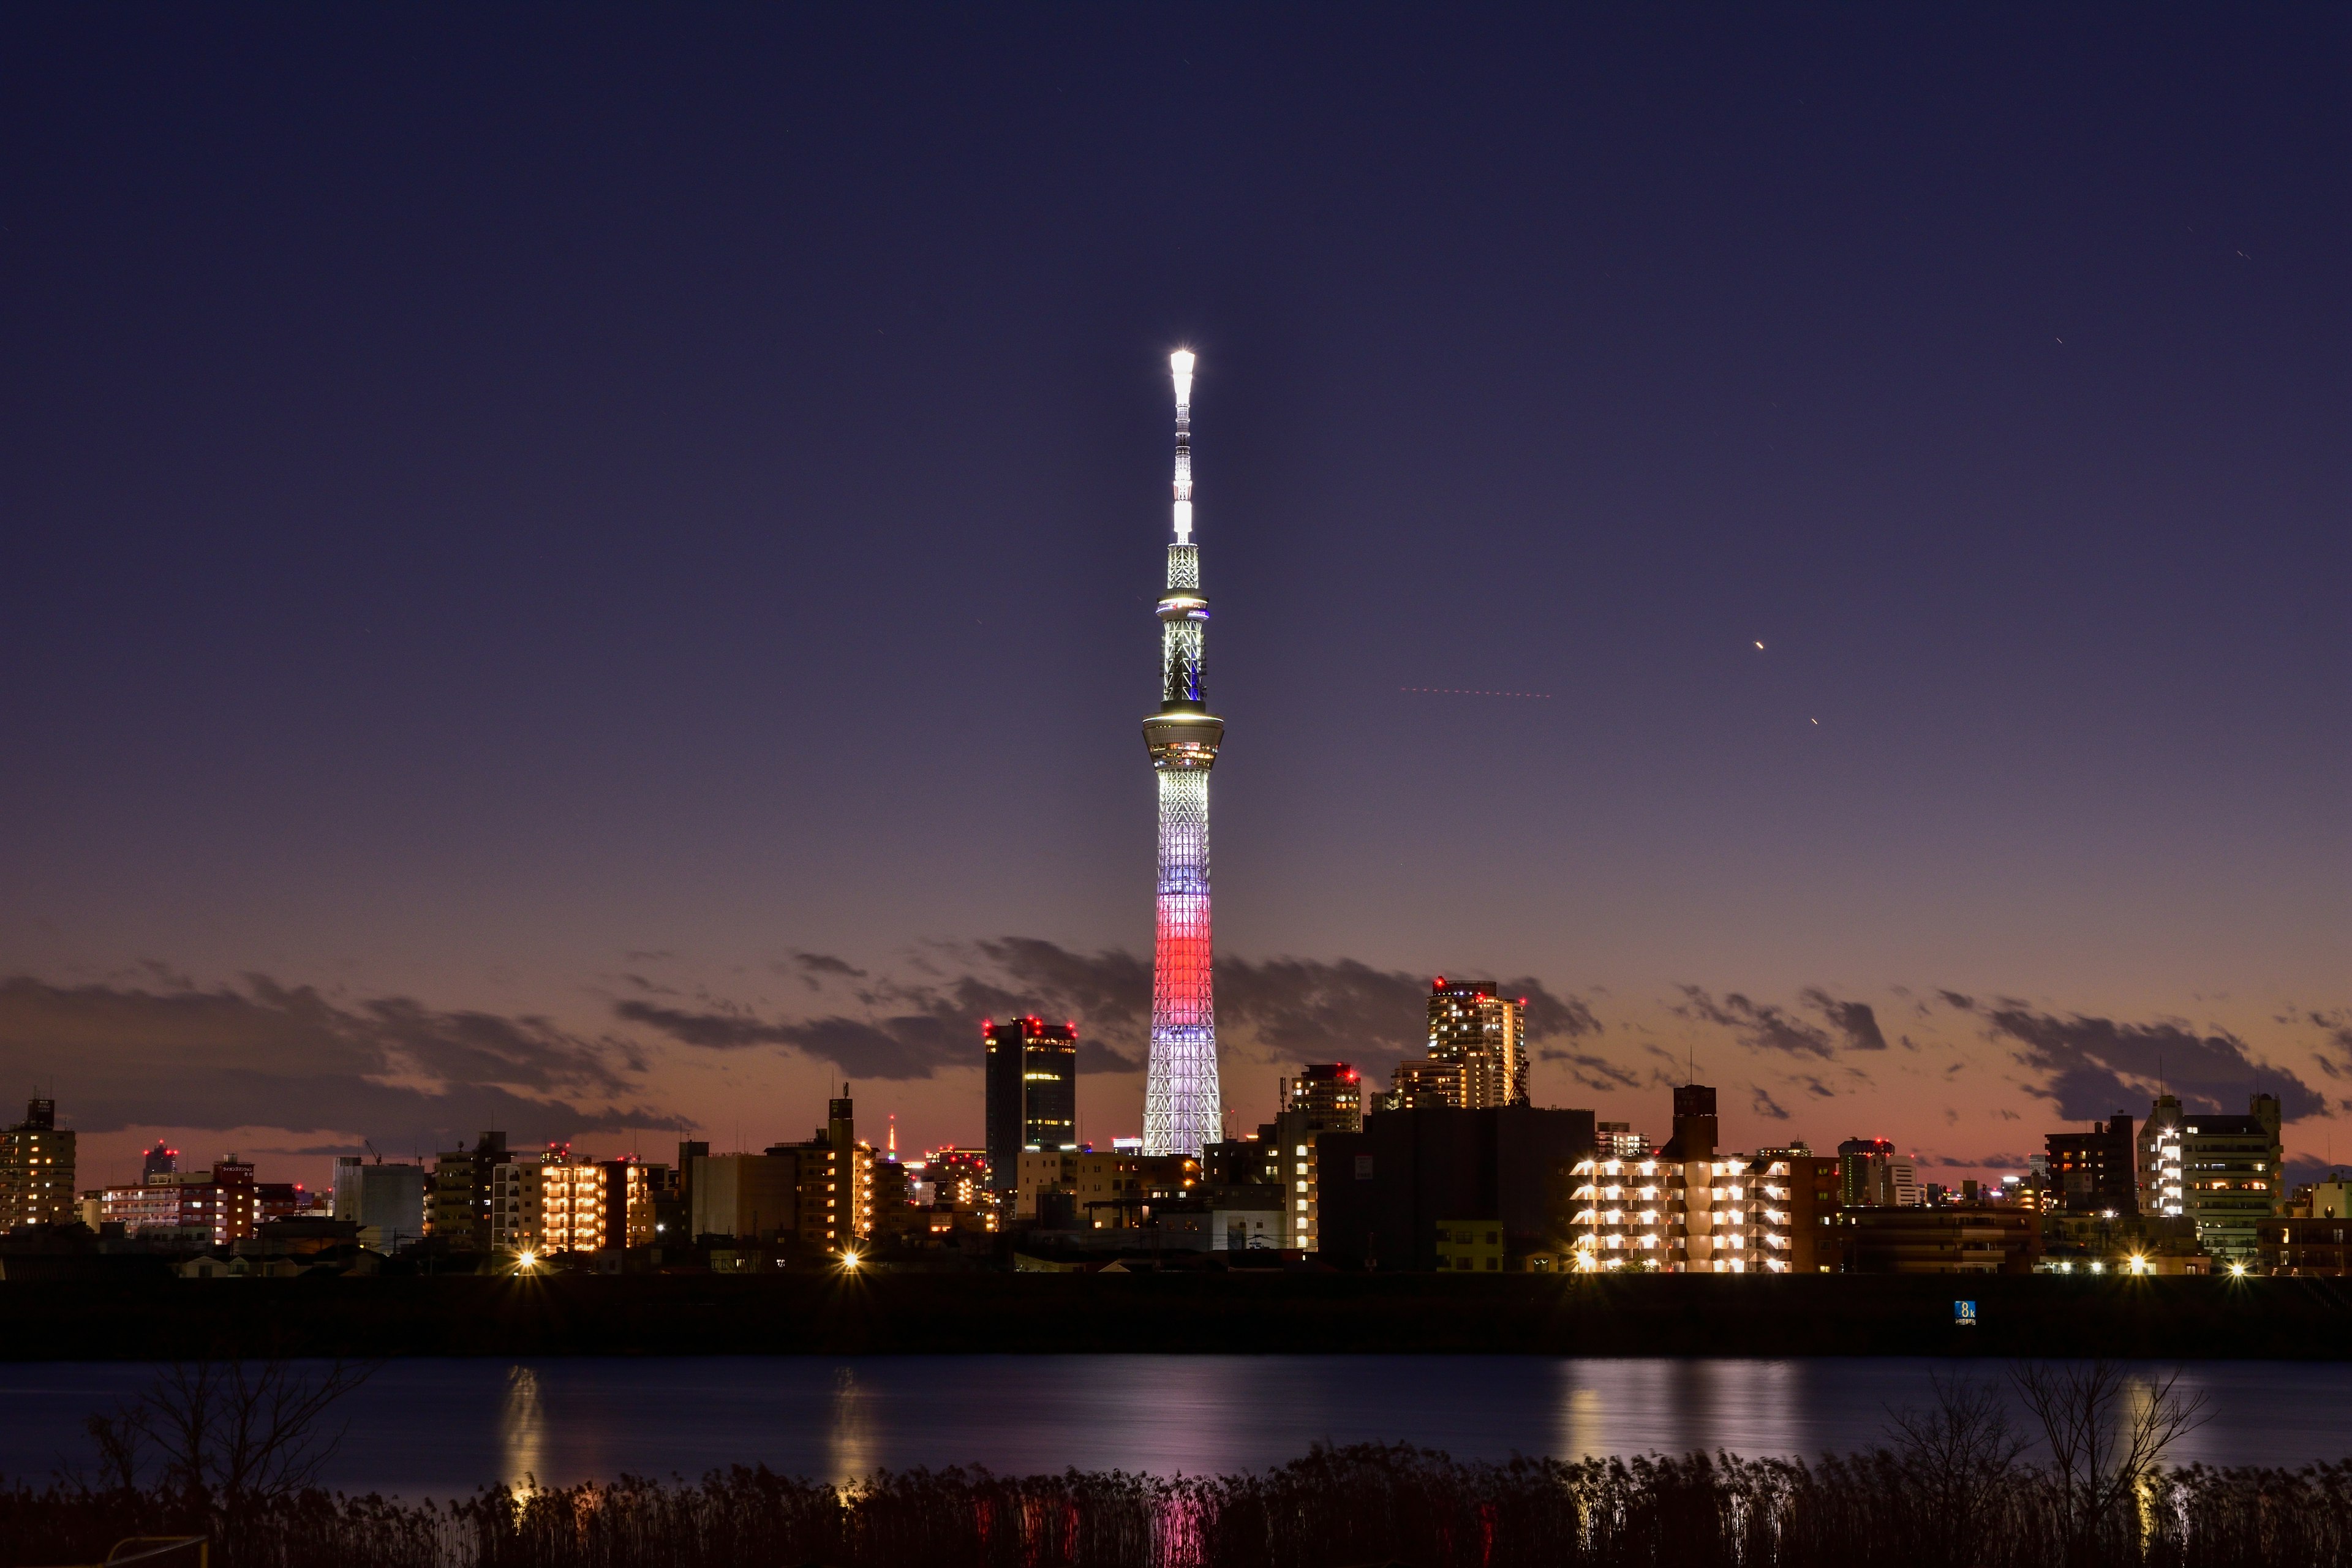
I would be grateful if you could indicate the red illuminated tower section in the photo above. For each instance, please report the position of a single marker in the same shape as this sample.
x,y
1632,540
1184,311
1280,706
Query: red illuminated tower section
x,y
1181,1107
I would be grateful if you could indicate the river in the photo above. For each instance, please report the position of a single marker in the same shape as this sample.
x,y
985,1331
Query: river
x,y
441,1427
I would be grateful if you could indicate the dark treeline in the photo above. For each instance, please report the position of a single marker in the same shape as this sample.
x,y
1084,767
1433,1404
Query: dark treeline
x,y
826,1314
1340,1506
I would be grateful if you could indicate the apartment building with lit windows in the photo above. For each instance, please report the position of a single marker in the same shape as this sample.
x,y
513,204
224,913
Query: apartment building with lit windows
x,y
1688,1209
2222,1172
36,1170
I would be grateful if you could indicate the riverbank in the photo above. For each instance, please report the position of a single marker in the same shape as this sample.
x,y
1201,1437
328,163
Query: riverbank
x,y
1288,1314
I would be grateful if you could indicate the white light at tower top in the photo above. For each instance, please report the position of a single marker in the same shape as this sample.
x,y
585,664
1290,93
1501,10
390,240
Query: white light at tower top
x,y
1180,362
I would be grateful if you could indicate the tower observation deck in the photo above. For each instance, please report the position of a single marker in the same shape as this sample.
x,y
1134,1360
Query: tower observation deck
x,y
1181,1105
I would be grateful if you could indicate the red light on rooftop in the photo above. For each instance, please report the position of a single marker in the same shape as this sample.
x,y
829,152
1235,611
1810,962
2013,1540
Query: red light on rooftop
x,y
1439,981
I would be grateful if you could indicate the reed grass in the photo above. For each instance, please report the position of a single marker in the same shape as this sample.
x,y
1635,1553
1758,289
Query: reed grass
x,y
1334,1507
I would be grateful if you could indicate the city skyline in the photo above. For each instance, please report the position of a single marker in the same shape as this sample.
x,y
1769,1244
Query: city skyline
x,y
1810,552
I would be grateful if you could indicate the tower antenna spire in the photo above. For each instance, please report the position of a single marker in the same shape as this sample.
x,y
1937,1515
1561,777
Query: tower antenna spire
x,y
1180,365
1182,1102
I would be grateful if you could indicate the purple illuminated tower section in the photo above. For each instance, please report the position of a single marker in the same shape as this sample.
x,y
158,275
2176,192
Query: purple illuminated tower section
x,y
1181,1110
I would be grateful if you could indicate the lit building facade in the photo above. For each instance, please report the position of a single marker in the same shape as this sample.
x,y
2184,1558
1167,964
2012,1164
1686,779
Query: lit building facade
x,y
1686,1209
1872,1175
1418,1083
1487,1034
1182,1109
36,1170
1031,1072
2222,1172
1330,1095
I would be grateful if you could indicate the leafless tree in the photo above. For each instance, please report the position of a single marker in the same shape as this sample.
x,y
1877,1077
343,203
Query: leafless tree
x,y
2107,1431
232,1434
1960,1460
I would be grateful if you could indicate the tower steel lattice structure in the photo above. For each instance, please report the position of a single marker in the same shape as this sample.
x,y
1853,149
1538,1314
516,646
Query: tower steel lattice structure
x,y
1182,1105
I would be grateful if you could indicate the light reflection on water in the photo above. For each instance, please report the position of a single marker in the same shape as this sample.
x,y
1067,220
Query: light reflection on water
x,y
522,1430
443,1427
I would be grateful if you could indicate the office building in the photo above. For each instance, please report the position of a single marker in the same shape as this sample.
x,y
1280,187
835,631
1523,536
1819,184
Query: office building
x,y
1329,1095
1419,1083
1618,1141
744,1197
1031,1072
2221,1172
1871,1174
1385,1193
386,1201
1119,1188
36,1170
1487,1034
2094,1172
1182,1105
158,1162
459,1214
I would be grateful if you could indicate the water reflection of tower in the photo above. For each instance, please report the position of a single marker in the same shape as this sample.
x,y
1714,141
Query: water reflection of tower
x,y
522,1430
1180,1099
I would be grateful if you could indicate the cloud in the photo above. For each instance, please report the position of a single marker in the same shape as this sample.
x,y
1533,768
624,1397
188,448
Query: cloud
x,y
816,967
1760,1026
171,1052
1274,1009
1854,1021
1599,1072
1762,1103
1957,999
2093,1067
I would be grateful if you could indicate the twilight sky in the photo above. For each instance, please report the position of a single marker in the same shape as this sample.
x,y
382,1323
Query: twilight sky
x,y
589,572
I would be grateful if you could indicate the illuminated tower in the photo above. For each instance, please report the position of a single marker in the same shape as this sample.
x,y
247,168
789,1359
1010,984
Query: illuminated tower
x,y
1180,1104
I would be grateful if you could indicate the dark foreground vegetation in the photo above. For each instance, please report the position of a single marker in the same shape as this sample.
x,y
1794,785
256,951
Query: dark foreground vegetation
x,y
824,1313
1360,1505
229,1452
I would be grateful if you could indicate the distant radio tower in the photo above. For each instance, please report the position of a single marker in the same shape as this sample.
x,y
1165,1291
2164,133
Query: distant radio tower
x,y
1181,1103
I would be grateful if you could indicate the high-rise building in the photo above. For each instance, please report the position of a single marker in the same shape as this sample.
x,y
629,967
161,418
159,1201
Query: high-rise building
x,y
1419,1083
2219,1171
459,1211
1871,1174
1487,1034
1330,1095
36,1170
2094,1172
1032,1072
158,1162
1182,1105
835,1180
387,1201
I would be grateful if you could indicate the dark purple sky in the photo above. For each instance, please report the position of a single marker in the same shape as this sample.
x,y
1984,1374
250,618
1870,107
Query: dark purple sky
x,y
576,572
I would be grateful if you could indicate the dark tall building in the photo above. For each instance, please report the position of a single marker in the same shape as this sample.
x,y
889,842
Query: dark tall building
x,y
2096,1172
1696,1132
1330,1095
458,1205
1385,1192
1487,1034
1033,1093
158,1162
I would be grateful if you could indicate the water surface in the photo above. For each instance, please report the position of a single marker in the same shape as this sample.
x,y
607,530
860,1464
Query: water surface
x,y
440,1427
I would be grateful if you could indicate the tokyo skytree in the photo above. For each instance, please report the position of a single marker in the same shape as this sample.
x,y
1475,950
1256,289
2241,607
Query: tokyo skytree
x,y
1181,1110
